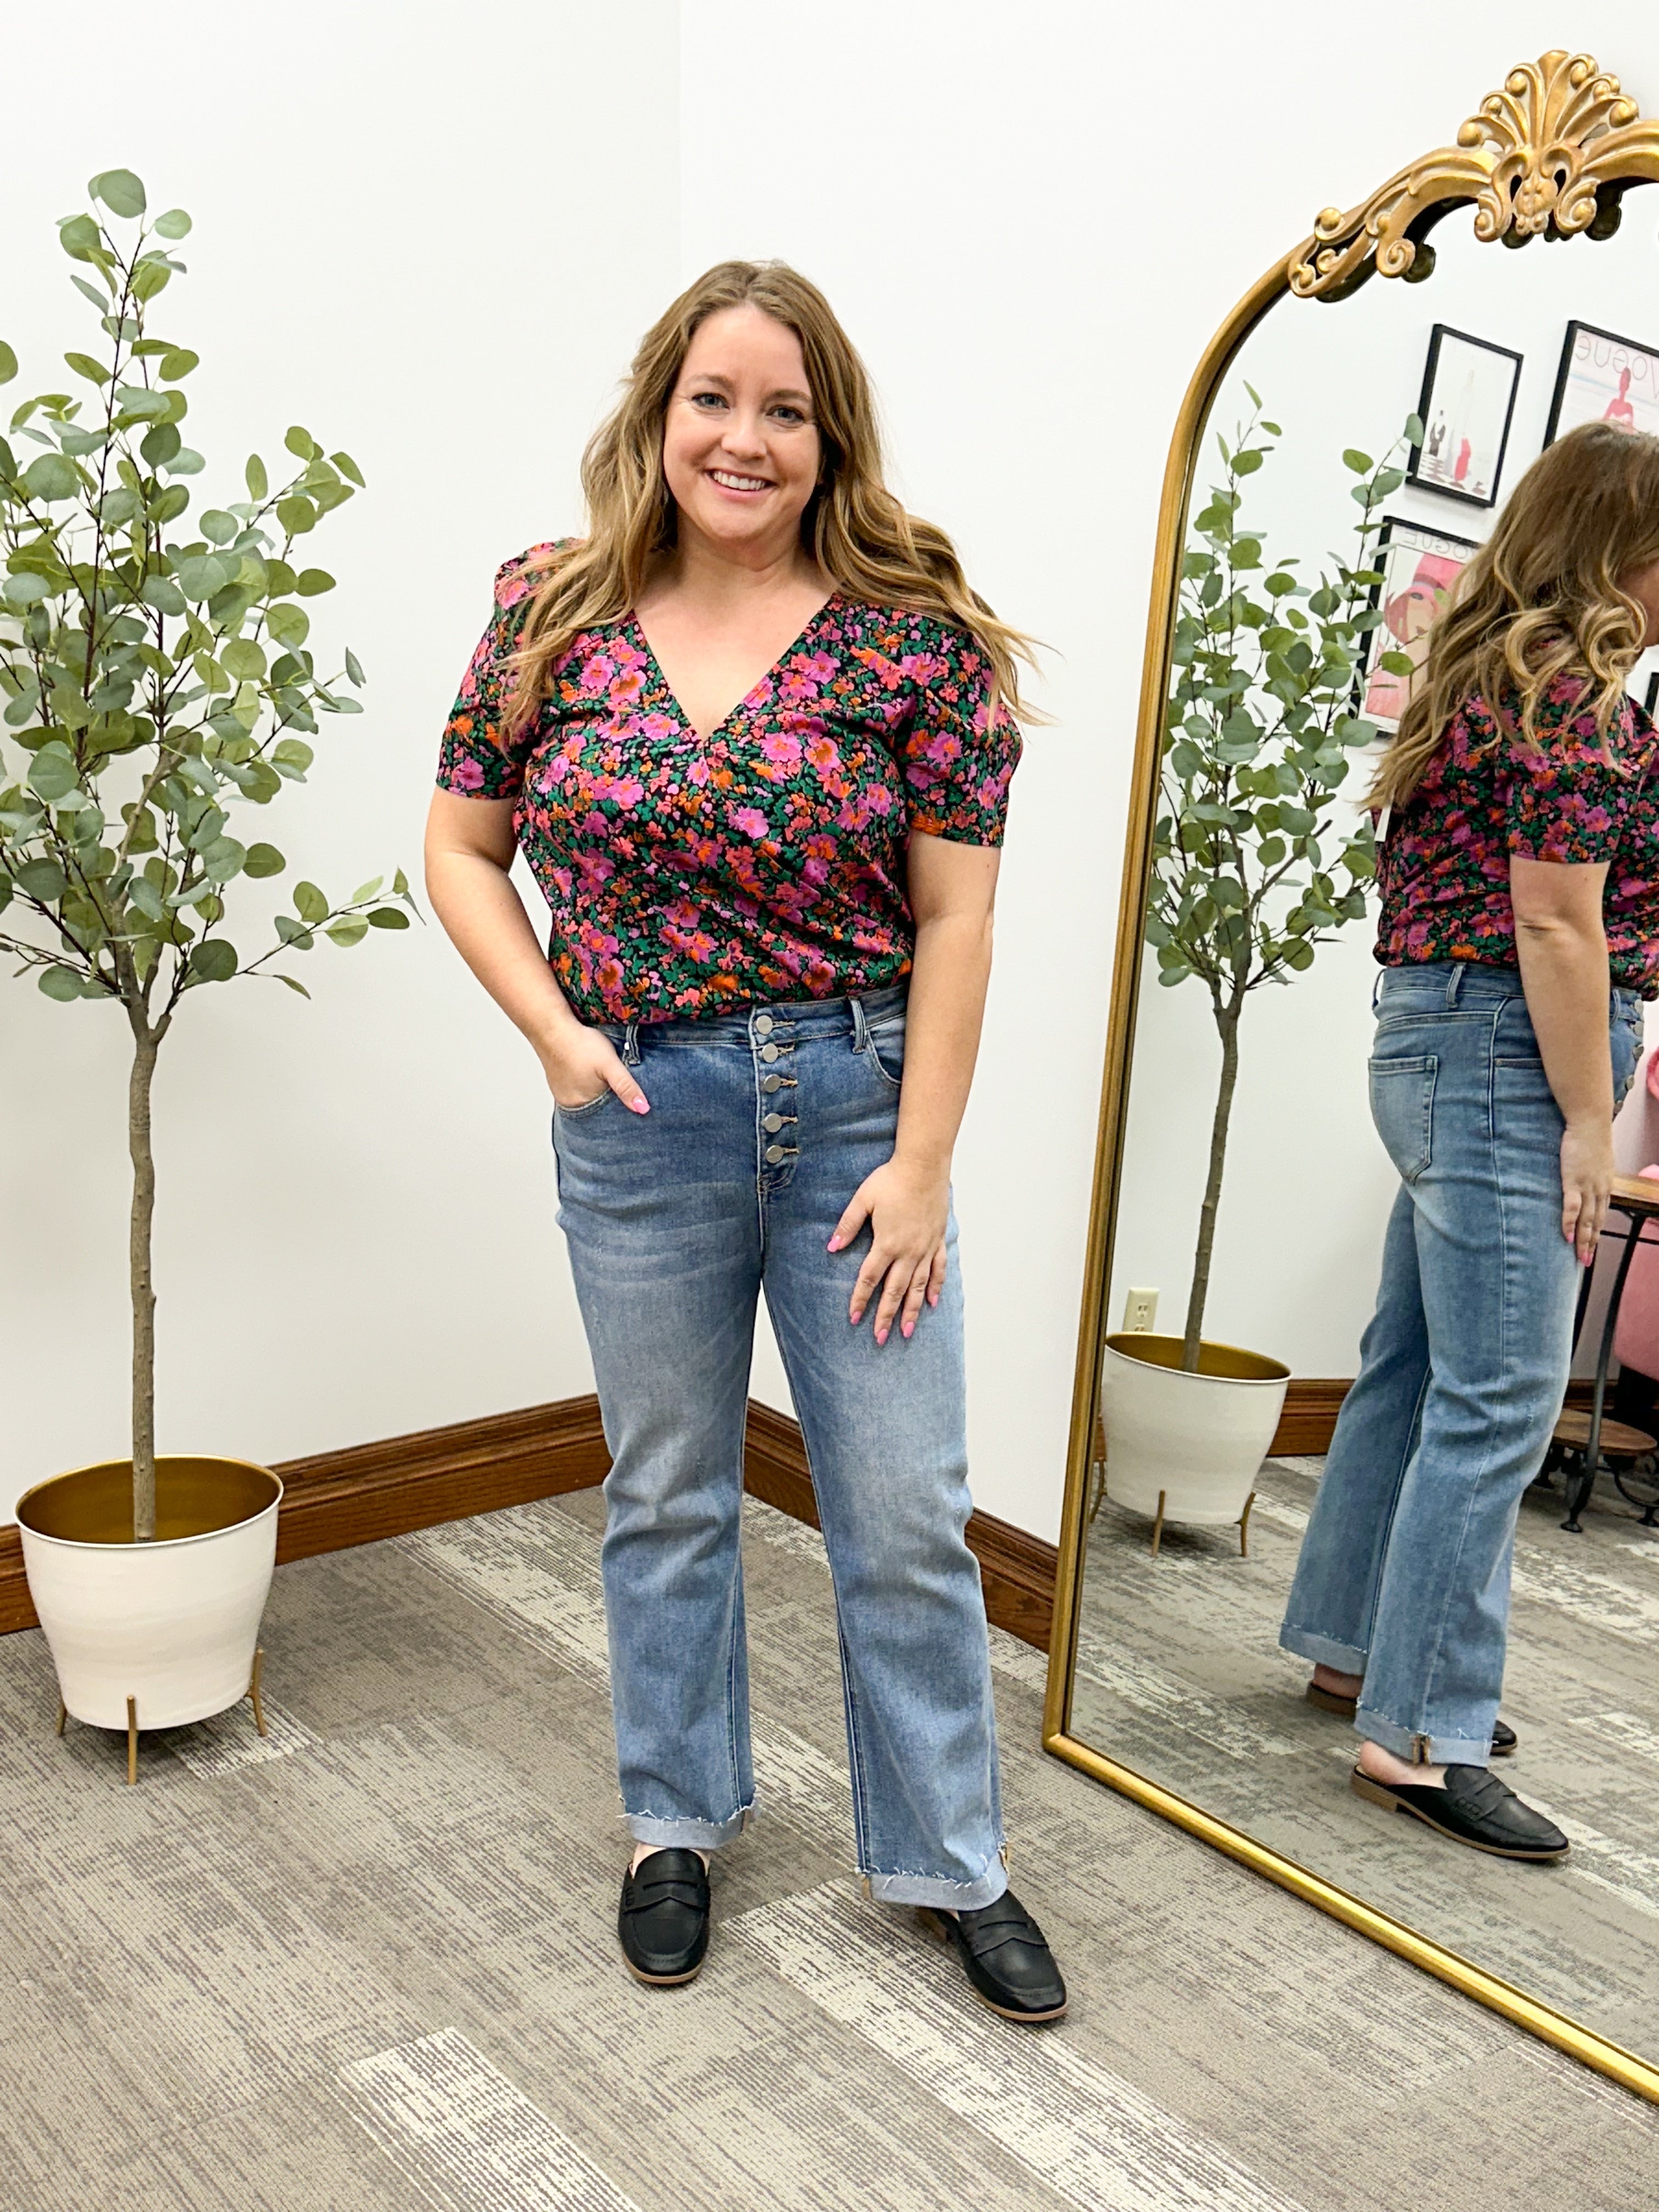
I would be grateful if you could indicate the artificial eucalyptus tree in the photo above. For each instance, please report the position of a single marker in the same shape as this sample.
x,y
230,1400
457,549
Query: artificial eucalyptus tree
x,y
156,675
1250,869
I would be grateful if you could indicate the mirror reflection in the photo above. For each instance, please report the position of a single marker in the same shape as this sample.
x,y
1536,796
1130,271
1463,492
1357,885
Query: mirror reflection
x,y
1357,457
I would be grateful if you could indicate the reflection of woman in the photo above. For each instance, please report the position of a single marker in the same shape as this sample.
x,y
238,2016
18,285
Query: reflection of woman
x,y
1519,931
748,737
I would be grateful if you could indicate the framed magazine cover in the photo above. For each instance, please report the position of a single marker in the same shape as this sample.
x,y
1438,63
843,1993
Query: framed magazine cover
x,y
1604,379
1468,403
1420,568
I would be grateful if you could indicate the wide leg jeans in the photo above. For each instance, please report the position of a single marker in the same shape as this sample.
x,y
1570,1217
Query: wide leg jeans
x,y
761,1127
1404,1575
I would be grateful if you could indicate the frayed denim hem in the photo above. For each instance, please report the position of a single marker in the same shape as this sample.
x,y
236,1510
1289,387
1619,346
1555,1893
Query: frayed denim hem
x,y
1323,1651
948,1896
1443,1750
690,1835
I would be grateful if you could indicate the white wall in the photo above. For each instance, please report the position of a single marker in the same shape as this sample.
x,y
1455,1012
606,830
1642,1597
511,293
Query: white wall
x,y
413,234
435,239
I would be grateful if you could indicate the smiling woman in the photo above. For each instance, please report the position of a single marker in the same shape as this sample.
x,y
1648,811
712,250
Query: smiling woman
x,y
755,734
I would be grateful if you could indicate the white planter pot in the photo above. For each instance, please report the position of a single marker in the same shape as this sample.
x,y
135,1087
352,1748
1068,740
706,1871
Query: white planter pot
x,y
172,1625
1193,1441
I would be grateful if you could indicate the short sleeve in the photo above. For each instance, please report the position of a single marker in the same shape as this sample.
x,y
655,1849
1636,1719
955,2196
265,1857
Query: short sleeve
x,y
478,758
1566,798
958,760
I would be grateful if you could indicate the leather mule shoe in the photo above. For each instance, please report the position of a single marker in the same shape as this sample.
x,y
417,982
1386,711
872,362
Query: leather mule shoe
x,y
1503,1737
663,1918
1474,1809
1006,1958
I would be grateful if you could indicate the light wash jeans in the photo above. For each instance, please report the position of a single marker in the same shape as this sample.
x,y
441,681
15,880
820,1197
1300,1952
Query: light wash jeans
x,y
761,1127
1404,1575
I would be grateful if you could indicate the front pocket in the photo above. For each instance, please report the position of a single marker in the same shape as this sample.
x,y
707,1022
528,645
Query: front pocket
x,y
588,1106
1402,1108
885,1050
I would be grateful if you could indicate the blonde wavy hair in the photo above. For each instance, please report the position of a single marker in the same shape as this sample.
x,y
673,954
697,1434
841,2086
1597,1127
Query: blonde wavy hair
x,y
860,536
1543,599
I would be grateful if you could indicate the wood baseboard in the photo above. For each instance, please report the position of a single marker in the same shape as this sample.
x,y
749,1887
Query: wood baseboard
x,y
337,1499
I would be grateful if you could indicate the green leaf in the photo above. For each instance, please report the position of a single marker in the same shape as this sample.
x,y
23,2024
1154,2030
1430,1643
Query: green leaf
x,y
1413,429
310,582
354,669
262,861
388,917
289,624
177,365
277,976
351,930
244,658
365,890
201,576
296,514
163,594
8,363
301,443
216,524
186,463
98,299
161,443
50,478
84,365
1361,463
1247,463
42,880
175,223
309,904
53,772
80,237
347,467
120,191
26,590
169,504
258,483
60,983
212,961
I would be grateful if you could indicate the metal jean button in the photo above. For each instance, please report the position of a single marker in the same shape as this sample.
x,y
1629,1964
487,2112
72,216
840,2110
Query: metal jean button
x,y
771,1082
768,1051
772,1123
774,1154
762,1026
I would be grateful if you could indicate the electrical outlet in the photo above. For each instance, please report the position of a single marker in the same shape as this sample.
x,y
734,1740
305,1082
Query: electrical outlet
x,y
1140,1311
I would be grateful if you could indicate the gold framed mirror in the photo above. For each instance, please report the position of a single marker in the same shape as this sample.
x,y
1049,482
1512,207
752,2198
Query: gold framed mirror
x,y
1164,1682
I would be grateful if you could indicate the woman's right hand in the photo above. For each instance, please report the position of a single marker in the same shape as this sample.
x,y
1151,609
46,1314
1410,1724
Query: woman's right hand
x,y
1586,1183
581,1064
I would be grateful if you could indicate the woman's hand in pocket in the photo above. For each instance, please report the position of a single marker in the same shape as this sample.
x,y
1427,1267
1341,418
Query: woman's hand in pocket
x,y
1586,1183
581,1064
908,1212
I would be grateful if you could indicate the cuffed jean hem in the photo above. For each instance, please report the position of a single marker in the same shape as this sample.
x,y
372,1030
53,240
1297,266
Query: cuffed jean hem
x,y
1443,1750
1323,1651
947,1896
690,1835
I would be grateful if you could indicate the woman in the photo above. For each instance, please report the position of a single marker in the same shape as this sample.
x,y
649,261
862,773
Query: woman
x,y
1519,935
754,735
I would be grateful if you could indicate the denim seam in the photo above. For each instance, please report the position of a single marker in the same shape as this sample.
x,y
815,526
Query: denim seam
x,y
731,1670
1413,1436
1472,1489
849,1705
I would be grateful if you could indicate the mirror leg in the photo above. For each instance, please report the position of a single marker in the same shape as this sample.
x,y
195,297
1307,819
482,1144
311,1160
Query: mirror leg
x,y
132,1740
1157,1524
1244,1528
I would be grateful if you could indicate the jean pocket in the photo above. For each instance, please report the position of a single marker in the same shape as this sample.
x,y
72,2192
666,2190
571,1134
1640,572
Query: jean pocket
x,y
1402,1108
884,1047
580,1113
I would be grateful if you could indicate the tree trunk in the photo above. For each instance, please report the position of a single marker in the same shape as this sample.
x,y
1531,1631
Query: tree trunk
x,y
145,1041
1227,1022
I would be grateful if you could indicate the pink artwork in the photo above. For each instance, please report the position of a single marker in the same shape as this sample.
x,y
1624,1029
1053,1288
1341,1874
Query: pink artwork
x,y
1605,379
1468,397
1420,568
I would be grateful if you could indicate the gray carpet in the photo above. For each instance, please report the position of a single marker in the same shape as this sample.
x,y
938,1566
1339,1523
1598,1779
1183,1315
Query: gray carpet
x,y
370,1963
1181,1678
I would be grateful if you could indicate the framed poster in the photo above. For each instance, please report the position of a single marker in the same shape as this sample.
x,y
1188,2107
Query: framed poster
x,y
1604,379
1419,568
1468,397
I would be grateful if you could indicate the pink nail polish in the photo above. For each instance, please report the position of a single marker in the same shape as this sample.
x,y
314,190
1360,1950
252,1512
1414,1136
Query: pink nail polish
x,y
909,1328
881,1336
834,1245
641,1105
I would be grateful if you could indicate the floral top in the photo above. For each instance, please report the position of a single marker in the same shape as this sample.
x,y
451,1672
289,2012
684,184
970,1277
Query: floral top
x,y
690,876
1444,873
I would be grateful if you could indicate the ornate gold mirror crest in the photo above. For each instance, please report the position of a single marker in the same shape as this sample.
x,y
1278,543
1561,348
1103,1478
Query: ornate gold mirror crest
x,y
1549,156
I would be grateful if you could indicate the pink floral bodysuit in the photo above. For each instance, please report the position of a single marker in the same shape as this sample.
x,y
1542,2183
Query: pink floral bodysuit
x,y
767,861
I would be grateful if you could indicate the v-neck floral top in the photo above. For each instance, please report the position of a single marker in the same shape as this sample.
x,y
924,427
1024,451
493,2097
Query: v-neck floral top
x,y
1445,871
690,876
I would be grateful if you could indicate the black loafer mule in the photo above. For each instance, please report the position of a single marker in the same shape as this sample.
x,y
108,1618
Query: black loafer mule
x,y
1475,1808
1503,1737
1006,1957
663,1919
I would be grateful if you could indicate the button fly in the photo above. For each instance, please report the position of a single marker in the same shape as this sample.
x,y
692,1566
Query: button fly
x,y
762,1026
771,1083
774,1154
772,1123
768,1051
